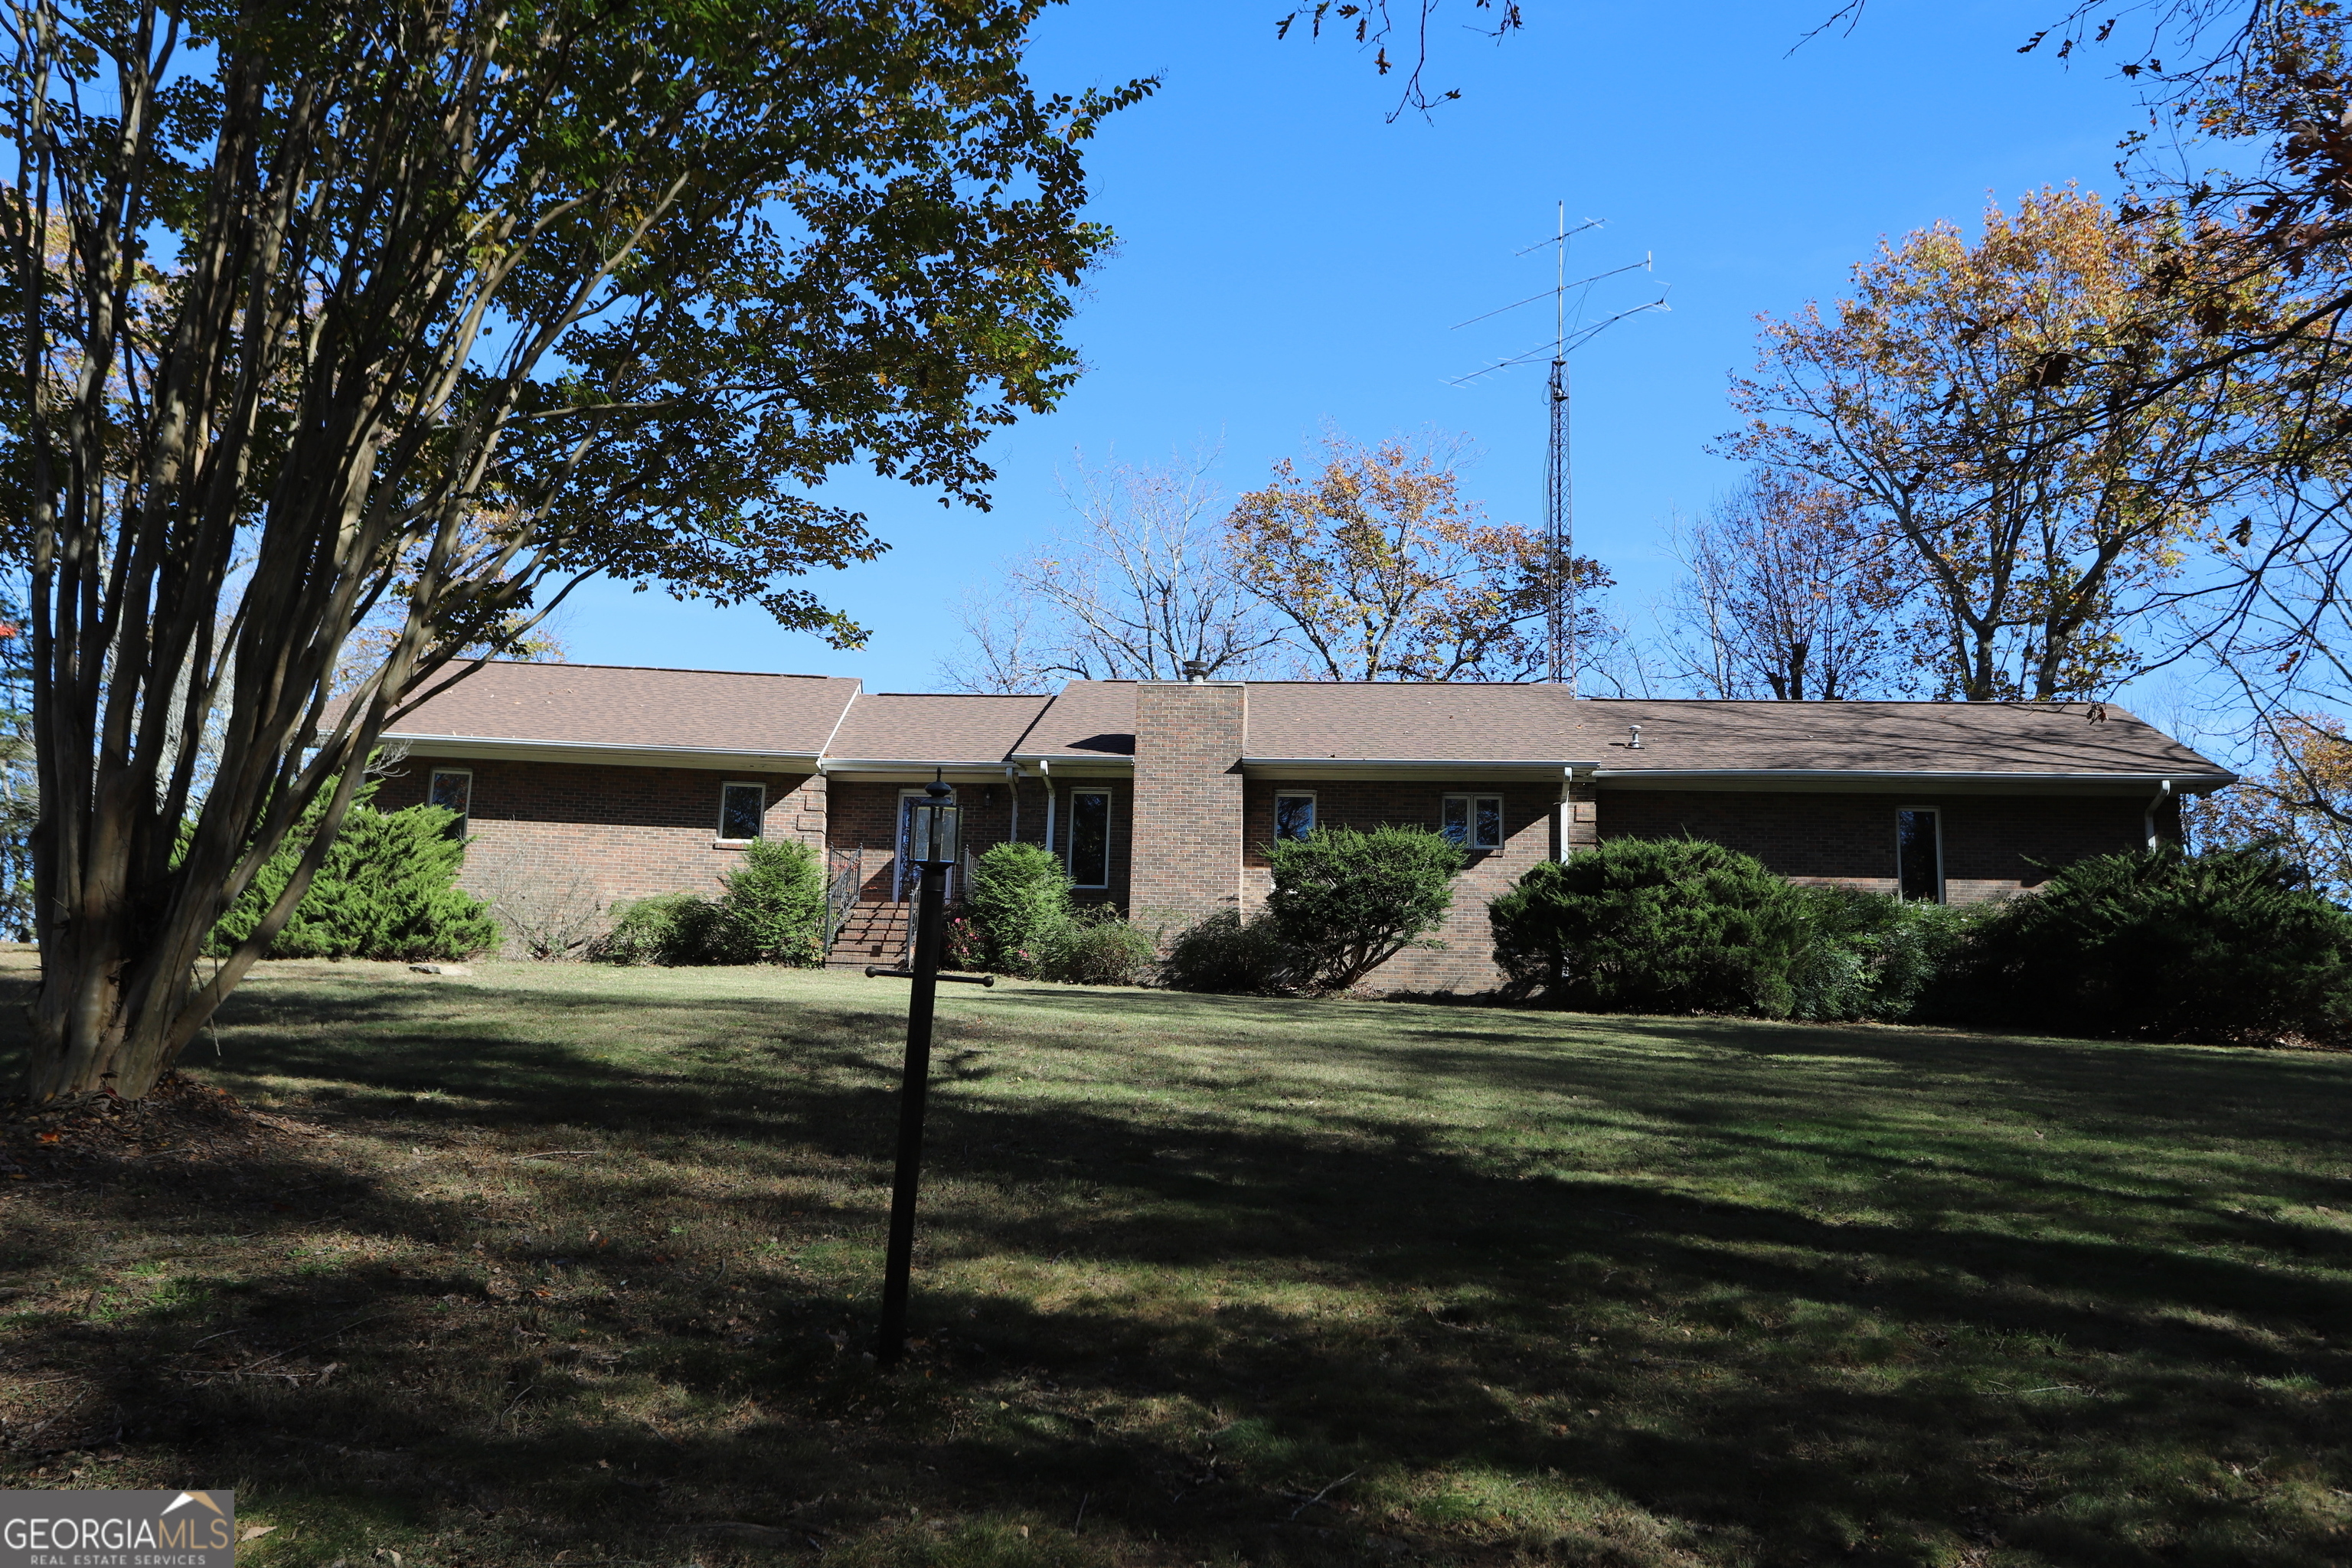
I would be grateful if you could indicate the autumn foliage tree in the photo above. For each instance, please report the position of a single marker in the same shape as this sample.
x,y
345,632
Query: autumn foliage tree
x,y
2296,797
416,315
1381,570
2017,415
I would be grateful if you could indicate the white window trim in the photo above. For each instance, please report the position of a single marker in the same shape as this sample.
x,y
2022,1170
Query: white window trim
x,y
1937,813
1471,822
720,838
1315,809
466,819
1070,850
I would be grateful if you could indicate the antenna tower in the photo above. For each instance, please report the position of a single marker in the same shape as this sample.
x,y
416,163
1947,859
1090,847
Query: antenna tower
x,y
1560,488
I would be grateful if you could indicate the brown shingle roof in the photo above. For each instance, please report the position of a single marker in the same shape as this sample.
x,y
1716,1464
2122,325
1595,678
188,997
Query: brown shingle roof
x,y
1398,721
623,705
626,708
1883,737
896,726
1090,719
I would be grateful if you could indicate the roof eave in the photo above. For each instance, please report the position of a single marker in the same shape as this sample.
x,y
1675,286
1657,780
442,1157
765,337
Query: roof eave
x,y
963,766
507,748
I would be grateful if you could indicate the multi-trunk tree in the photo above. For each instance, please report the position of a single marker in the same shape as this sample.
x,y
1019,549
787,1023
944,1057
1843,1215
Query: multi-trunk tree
x,y
1142,588
2029,426
338,314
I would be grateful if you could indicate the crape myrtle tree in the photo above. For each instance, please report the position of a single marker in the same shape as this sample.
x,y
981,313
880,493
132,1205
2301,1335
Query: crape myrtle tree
x,y
322,311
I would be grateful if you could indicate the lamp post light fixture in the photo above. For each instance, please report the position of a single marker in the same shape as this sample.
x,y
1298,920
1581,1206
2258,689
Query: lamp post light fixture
x,y
934,838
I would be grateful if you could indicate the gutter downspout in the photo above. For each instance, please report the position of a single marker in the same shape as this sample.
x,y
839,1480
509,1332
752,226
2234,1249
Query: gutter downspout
x,y
1013,783
2148,817
1564,816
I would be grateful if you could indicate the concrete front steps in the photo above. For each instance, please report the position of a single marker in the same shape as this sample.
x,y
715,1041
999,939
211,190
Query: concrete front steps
x,y
874,933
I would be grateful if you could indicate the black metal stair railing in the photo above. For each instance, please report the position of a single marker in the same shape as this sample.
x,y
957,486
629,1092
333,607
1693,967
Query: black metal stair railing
x,y
847,876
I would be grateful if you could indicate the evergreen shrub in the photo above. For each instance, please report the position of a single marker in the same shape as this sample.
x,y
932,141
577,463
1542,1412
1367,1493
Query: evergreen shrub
x,y
1345,901
1673,925
2229,945
1019,897
1872,955
387,890
773,910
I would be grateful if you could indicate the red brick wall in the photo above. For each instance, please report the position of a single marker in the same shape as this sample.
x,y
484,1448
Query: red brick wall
x,y
590,831
1989,840
1466,962
1187,806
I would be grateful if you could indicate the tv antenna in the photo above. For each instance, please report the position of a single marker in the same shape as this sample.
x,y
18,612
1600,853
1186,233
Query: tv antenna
x,y
1560,492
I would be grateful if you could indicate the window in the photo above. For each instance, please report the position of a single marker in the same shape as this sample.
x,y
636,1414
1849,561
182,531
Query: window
x,y
1919,856
1090,838
743,810
1294,816
1474,821
453,791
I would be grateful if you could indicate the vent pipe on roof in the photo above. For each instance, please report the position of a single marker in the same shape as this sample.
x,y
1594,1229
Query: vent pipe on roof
x,y
1634,744
1196,670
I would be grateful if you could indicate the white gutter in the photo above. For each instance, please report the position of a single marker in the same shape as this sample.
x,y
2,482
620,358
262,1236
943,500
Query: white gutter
x,y
1443,767
1973,776
991,766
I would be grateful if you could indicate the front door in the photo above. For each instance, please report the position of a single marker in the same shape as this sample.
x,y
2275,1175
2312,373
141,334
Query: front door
x,y
903,882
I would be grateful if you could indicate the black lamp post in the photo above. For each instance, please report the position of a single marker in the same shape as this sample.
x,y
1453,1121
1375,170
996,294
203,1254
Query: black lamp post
x,y
933,838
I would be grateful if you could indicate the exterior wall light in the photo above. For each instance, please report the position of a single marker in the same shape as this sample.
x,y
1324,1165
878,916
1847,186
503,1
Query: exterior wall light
x,y
934,831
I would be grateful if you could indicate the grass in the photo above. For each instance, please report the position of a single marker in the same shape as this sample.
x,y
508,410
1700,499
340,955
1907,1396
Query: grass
x,y
592,1256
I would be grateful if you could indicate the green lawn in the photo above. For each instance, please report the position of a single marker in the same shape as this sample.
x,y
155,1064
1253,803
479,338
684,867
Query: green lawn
x,y
593,1256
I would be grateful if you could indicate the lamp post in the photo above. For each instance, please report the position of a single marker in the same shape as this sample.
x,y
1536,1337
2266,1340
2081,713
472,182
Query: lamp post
x,y
932,838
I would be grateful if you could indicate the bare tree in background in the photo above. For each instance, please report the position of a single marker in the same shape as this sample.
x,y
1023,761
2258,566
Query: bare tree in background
x,y
1782,596
1140,589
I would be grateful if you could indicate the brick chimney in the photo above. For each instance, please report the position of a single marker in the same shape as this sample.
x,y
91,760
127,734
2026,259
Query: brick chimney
x,y
1189,739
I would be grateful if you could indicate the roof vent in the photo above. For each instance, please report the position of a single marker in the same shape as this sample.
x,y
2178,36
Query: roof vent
x,y
1633,742
1196,670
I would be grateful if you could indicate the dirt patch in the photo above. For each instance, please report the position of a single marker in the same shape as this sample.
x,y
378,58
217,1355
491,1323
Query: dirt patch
x,y
181,1121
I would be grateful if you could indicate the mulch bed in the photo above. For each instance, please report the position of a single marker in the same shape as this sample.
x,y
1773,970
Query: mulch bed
x,y
180,1120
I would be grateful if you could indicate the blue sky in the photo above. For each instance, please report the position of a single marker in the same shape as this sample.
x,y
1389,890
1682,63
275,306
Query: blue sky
x,y
1289,259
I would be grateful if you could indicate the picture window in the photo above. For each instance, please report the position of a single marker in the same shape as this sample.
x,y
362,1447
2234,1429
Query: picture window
x,y
1089,859
453,791
1919,856
743,810
1293,816
1474,821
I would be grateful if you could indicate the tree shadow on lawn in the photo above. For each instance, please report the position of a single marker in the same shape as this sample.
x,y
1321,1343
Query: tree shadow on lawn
x,y
1884,1391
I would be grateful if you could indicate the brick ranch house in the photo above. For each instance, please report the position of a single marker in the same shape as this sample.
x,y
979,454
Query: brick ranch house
x,y
602,783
